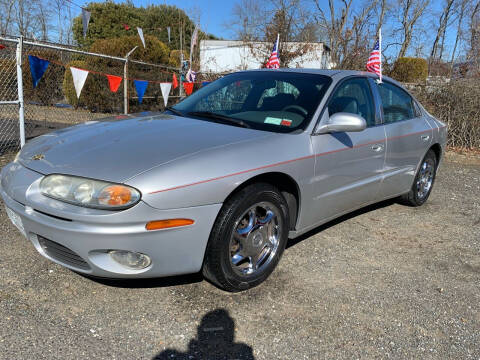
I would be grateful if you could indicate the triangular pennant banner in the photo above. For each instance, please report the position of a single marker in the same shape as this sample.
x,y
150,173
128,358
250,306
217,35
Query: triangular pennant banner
x,y
79,76
141,87
188,86
204,83
174,81
85,20
37,68
140,33
114,82
165,88
191,75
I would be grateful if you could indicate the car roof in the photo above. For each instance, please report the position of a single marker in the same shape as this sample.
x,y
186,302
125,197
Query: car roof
x,y
335,74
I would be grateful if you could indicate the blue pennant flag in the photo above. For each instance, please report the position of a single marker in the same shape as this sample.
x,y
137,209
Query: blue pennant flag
x,y
141,87
205,83
37,68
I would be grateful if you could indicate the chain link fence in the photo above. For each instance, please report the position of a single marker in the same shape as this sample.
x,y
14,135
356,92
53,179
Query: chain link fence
x,y
53,103
9,113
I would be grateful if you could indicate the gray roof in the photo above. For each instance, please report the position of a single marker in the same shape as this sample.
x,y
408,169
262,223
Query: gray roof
x,y
331,73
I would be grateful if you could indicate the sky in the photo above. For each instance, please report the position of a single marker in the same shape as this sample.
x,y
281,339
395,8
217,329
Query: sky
x,y
214,14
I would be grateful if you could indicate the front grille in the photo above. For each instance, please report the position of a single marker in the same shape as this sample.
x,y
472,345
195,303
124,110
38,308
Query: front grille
x,y
62,254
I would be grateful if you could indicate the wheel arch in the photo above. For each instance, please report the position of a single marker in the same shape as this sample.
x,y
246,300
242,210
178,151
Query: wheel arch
x,y
437,149
287,186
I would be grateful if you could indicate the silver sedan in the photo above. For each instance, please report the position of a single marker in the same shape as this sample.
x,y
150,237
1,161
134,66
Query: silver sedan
x,y
220,181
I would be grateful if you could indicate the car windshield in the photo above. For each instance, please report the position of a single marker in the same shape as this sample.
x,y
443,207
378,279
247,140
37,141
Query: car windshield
x,y
264,100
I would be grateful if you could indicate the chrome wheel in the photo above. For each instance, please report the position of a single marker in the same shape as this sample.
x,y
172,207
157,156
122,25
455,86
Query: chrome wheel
x,y
425,178
256,238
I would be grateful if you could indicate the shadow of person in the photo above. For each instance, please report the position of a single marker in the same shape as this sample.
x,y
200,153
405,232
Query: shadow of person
x,y
215,341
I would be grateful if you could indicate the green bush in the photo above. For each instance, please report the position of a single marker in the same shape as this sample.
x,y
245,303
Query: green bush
x,y
8,87
96,95
155,51
174,59
456,103
410,70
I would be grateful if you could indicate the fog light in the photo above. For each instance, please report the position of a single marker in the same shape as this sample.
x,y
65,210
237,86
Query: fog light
x,y
130,259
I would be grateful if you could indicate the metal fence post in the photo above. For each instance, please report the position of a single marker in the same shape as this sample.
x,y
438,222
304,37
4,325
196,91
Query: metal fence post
x,y
180,91
125,81
125,87
21,110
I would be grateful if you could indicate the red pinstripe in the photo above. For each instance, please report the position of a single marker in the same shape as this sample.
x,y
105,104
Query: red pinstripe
x,y
288,161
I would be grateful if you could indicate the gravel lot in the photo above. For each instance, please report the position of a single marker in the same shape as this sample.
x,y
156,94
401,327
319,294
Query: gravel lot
x,y
386,282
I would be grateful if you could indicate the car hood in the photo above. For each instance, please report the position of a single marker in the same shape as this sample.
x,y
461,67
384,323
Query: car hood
x,y
122,147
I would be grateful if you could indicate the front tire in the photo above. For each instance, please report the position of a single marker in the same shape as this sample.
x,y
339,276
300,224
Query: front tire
x,y
247,239
423,183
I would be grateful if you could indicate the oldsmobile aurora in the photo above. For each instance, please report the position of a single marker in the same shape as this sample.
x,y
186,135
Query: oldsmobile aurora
x,y
220,181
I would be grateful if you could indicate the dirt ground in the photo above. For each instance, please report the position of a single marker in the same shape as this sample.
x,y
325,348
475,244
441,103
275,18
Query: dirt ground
x,y
387,281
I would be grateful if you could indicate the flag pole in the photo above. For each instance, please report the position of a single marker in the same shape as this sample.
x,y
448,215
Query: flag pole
x,y
380,48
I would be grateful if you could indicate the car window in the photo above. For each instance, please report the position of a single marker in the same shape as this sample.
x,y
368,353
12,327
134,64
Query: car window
x,y
266,100
353,96
397,104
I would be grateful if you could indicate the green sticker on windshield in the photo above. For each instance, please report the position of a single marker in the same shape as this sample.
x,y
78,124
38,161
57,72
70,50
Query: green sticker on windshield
x,y
272,120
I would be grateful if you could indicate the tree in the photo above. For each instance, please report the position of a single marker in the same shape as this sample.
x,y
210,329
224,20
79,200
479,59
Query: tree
x,y
411,11
258,24
474,30
441,29
461,13
108,21
349,29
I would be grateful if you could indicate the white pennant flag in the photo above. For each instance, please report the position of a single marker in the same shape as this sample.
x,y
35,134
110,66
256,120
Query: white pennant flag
x,y
140,33
165,87
79,76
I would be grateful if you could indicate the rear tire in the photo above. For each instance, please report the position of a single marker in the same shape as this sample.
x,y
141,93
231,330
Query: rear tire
x,y
247,239
423,183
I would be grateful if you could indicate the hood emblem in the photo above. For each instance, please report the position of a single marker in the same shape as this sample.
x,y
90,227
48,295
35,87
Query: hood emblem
x,y
38,157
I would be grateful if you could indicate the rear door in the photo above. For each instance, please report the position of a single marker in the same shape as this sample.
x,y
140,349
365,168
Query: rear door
x,y
348,165
408,138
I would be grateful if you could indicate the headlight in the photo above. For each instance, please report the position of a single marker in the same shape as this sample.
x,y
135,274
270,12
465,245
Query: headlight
x,y
89,193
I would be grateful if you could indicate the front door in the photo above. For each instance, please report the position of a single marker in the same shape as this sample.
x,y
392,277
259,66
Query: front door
x,y
348,165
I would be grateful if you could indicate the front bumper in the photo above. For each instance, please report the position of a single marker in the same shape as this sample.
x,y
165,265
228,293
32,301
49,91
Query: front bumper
x,y
91,234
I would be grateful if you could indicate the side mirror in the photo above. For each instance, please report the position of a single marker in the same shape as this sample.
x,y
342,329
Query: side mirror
x,y
343,122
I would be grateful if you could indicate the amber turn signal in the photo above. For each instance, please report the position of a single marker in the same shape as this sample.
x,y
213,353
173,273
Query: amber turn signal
x,y
170,223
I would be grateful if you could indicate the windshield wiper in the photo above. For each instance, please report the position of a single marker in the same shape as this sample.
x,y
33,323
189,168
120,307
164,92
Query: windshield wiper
x,y
221,118
176,112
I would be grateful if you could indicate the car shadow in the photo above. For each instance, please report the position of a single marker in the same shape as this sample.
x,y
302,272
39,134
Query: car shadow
x,y
364,210
215,340
148,283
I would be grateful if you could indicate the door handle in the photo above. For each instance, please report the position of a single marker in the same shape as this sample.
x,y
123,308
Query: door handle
x,y
377,147
425,137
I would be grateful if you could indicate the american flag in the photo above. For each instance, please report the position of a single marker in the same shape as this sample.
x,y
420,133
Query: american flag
x,y
273,61
374,61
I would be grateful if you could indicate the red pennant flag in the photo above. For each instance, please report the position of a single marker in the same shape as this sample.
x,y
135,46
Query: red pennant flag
x,y
174,81
2,47
114,82
188,86
126,27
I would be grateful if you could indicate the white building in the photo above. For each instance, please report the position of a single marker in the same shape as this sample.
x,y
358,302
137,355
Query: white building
x,y
219,56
